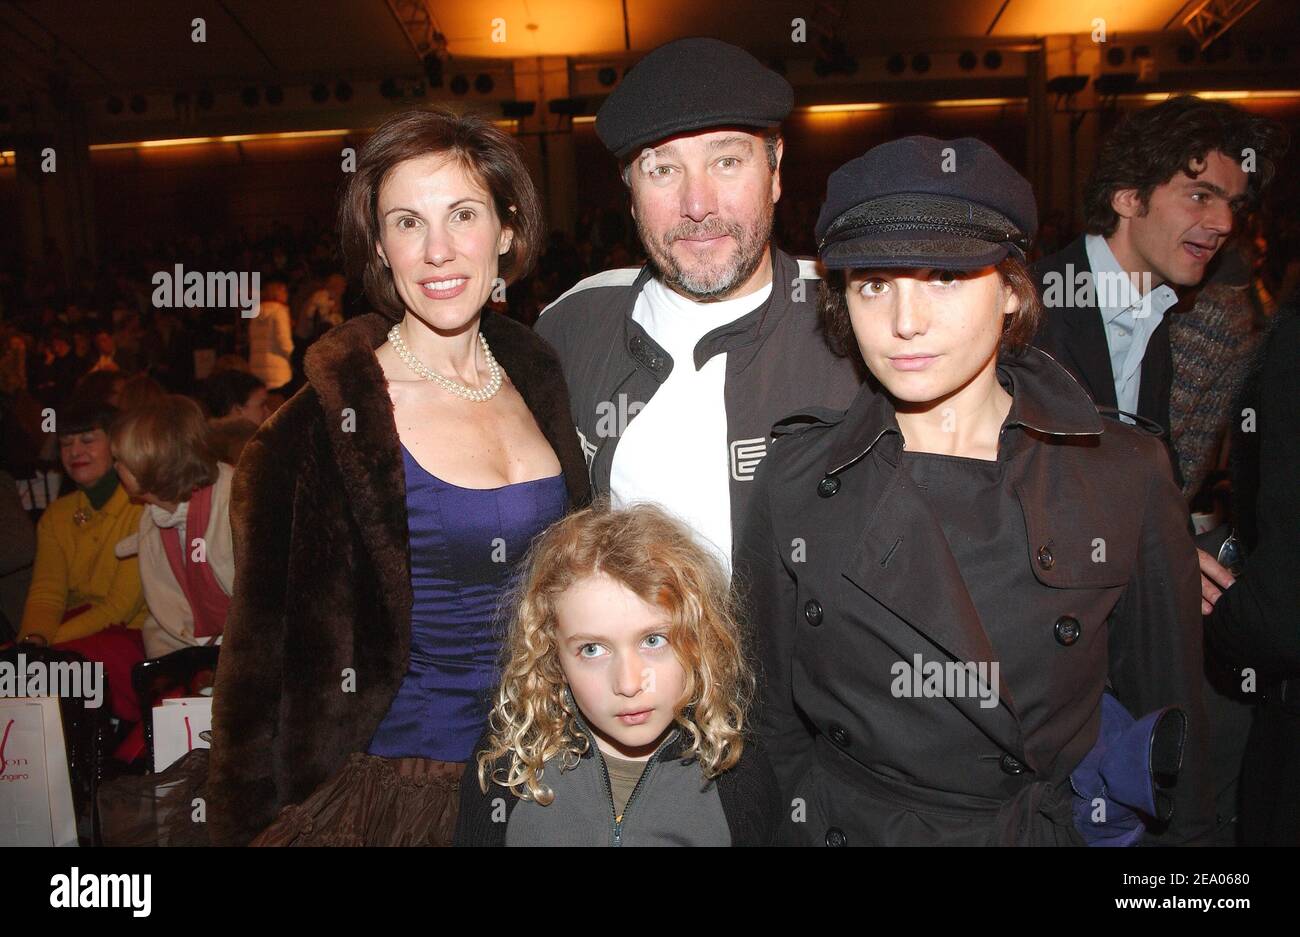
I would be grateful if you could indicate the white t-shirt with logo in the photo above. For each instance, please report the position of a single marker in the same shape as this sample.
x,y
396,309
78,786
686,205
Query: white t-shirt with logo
x,y
674,452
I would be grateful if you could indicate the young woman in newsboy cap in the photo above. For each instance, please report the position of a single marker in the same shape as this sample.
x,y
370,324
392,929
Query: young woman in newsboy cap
x,y
964,584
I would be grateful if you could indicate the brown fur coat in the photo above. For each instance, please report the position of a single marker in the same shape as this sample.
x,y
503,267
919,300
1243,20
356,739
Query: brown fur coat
x,y
318,636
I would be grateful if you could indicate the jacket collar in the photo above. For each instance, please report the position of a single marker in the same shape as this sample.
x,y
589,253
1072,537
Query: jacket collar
x,y
357,412
1105,269
118,502
741,338
1045,399
902,541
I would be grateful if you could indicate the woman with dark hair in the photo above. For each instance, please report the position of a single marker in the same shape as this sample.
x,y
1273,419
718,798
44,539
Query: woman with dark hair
x,y
379,513
965,586
100,386
236,402
83,597
235,395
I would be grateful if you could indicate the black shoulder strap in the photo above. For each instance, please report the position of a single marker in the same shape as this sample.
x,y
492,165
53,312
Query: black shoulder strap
x,y
1151,426
805,418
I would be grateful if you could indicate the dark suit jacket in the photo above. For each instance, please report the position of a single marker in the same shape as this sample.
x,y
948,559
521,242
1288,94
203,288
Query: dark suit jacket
x,y
1076,337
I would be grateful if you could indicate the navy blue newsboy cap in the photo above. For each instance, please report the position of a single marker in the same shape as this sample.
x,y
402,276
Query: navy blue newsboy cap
x,y
691,84
924,202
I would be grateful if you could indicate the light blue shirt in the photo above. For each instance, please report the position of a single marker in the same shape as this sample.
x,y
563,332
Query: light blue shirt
x,y
1129,318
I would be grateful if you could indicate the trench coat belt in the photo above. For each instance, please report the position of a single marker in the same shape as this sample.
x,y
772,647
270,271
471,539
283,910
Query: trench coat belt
x,y
1016,821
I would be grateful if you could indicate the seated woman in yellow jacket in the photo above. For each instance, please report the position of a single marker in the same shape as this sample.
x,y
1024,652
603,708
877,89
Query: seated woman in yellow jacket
x,y
82,597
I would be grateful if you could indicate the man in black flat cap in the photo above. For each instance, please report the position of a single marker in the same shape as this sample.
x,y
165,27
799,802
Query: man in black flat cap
x,y
677,371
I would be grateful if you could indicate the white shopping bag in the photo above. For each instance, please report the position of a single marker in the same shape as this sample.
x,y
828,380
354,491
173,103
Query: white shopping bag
x,y
35,788
179,726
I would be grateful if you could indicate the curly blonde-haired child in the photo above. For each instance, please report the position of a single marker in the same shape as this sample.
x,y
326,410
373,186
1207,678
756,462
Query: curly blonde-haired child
x,y
620,717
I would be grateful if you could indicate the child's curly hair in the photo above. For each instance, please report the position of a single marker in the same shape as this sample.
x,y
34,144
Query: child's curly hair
x,y
657,558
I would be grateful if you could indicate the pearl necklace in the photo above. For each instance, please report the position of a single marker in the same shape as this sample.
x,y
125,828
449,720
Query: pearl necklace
x,y
486,392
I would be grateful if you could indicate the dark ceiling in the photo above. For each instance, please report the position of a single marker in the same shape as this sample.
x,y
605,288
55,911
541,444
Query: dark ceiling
x,y
111,45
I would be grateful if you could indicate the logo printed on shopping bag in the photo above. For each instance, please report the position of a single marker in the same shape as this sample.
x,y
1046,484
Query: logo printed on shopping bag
x,y
103,890
180,725
5,763
36,807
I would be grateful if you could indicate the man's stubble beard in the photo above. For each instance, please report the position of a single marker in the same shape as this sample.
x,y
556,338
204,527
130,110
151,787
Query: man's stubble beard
x,y
713,282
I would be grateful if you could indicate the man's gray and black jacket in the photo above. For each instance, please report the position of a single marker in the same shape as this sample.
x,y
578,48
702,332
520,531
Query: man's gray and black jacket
x,y
672,805
778,362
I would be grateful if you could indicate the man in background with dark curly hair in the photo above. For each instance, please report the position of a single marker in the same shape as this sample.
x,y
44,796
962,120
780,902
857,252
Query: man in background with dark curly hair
x,y
1169,184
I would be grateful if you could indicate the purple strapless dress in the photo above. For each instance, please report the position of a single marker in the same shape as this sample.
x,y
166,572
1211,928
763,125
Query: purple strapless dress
x,y
466,544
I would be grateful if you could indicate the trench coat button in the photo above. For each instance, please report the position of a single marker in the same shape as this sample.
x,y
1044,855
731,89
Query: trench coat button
x,y
835,837
827,487
840,736
1045,558
812,610
1010,765
1067,630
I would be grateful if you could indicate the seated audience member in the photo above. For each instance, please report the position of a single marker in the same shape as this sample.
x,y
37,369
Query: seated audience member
x,y
17,550
83,597
128,335
139,391
103,387
83,350
56,369
323,311
105,352
234,395
236,406
227,438
13,365
186,558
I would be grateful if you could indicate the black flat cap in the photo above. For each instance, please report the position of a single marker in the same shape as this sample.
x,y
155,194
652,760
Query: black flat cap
x,y
691,84
923,202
